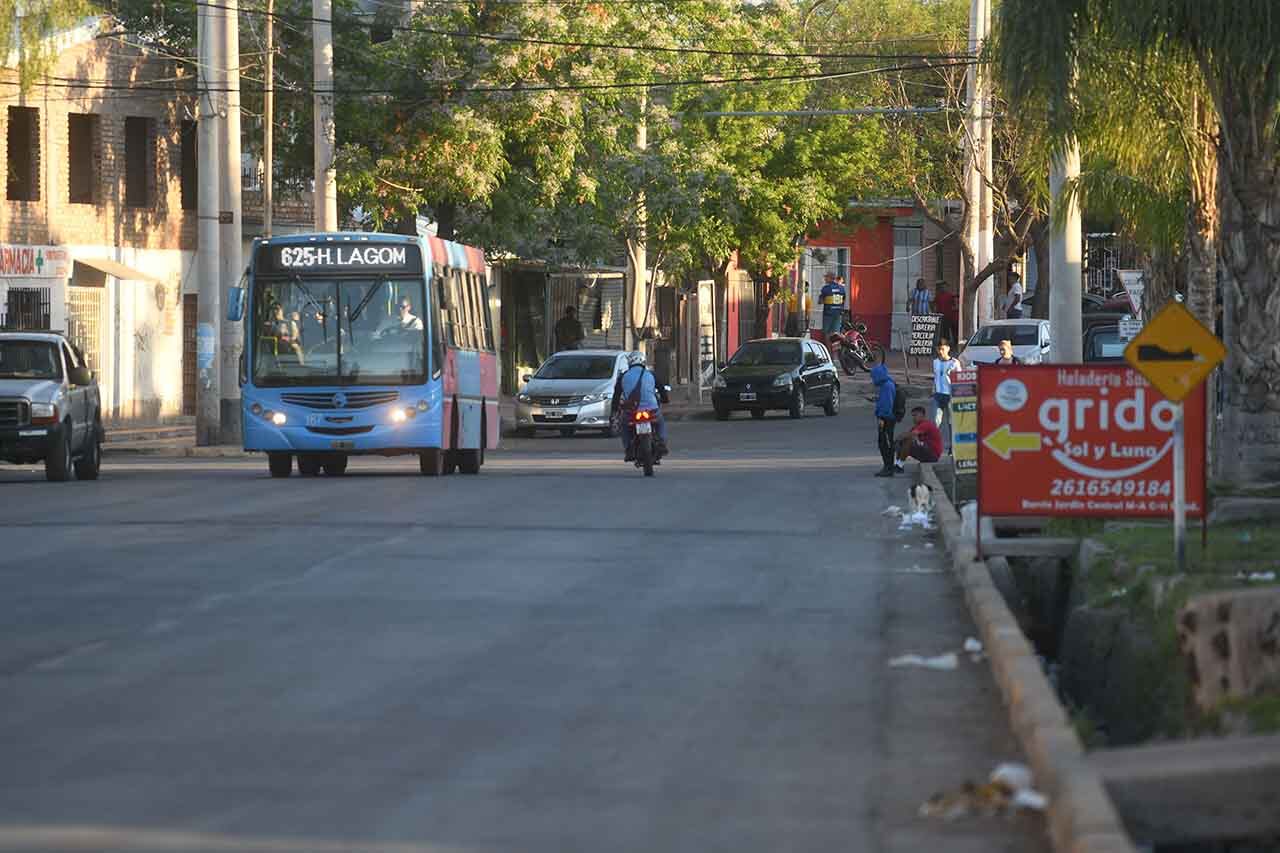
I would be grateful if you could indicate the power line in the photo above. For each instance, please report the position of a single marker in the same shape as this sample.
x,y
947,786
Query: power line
x,y
704,51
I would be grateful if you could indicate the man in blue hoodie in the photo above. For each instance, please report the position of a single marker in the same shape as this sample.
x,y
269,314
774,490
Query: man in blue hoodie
x,y
885,418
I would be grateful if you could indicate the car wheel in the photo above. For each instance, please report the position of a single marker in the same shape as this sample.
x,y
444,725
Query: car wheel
x,y
280,464
722,414
526,432
335,466
615,425
832,406
88,465
431,462
57,465
796,409
309,464
469,461
758,414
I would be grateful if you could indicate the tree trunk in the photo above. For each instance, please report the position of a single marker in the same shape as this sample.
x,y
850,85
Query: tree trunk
x,y
1043,282
1163,275
1250,251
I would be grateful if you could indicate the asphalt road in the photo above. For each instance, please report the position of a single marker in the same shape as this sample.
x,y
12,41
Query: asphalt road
x,y
556,655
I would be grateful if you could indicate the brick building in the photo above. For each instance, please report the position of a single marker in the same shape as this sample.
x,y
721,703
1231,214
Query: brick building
x,y
98,220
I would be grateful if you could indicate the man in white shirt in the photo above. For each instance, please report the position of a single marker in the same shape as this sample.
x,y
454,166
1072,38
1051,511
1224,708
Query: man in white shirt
x,y
406,321
1013,299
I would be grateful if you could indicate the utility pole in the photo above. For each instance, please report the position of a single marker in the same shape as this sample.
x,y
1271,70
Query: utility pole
x,y
1065,334
979,231
268,122
209,311
326,192
230,230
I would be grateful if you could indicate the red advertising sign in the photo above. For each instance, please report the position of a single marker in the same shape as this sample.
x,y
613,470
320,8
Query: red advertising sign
x,y
1084,441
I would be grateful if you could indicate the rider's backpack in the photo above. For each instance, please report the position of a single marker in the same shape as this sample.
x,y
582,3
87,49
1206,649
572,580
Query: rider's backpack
x,y
899,403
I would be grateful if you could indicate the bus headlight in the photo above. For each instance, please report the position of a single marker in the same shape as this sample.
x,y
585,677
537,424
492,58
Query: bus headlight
x,y
398,416
278,418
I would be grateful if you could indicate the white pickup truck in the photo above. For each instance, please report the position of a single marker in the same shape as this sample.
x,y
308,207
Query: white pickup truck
x,y
50,409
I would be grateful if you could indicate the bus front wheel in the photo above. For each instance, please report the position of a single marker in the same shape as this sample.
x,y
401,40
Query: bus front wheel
x,y
309,464
280,464
469,461
431,462
335,465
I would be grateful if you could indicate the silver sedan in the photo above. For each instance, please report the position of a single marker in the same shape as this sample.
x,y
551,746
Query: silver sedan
x,y
572,390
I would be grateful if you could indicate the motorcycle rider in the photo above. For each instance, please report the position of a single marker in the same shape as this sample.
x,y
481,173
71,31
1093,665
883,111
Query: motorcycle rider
x,y
637,388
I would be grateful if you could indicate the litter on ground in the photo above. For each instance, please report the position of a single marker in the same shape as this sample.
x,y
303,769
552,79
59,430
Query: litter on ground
x,y
892,511
944,662
1007,791
1256,577
974,647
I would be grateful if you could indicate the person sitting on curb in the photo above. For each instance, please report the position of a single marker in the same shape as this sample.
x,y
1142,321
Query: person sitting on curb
x,y
923,442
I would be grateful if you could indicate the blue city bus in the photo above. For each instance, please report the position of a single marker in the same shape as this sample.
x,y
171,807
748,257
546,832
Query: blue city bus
x,y
367,344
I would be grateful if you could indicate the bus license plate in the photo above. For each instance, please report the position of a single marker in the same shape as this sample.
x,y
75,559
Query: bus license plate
x,y
342,444
644,428
747,396
553,414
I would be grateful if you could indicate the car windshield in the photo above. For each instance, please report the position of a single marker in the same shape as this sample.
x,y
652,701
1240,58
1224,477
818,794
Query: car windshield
x,y
29,360
1020,336
577,367
319,331
758,353
1105,343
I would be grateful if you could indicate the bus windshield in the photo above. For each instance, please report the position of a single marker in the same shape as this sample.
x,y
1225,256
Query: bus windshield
x,y
324,331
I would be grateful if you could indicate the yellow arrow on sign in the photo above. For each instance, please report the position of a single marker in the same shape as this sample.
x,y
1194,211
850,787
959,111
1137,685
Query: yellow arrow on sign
x,y
1004,442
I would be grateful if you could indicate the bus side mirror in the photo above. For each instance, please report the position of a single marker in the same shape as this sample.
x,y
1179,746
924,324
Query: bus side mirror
x,y
235,305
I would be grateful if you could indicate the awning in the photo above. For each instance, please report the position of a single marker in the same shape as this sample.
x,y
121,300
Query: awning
x,y
115,269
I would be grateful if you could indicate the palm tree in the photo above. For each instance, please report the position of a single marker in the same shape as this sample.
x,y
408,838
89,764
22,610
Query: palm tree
x,y
1235,48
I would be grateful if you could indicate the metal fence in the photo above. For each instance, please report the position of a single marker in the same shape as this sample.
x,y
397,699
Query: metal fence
x,y
86,318
27,308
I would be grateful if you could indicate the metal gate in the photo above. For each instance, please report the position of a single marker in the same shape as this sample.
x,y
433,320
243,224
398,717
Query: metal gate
x,y
189,308
27,308
86,318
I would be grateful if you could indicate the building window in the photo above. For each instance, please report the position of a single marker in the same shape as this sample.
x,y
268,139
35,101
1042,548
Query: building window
x,y
188,176
82,153
24,154
139,161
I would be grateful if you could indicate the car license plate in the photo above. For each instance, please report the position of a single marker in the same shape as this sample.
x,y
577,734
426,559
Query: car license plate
x,y
342,444
747,396
644,428
315,420
553,414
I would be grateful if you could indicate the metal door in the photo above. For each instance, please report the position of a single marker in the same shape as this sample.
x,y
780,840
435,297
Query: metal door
x,y
189,308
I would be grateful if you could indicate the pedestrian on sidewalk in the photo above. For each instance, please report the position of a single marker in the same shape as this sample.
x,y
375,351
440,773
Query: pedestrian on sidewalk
x,y
947,304
942,367
569,332
833,305
921,302
923,442
885,417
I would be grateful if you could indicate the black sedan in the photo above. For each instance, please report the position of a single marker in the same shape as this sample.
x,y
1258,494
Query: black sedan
x,y
777,373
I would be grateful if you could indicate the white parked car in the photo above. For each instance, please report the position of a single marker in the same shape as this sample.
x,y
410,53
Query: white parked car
x,y
1030,340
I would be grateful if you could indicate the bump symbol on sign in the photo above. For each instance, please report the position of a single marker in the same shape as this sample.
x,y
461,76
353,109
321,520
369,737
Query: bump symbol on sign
x,y
1004,442
1175,352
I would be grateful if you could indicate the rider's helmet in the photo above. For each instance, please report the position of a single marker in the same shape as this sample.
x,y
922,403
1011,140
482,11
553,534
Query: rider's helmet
x,y
635,359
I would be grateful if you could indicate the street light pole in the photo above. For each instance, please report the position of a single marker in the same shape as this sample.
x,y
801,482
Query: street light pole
x,y
231,237
326,178
209,304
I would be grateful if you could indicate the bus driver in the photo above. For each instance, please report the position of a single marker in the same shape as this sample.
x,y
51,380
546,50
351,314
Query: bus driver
x,y
407,321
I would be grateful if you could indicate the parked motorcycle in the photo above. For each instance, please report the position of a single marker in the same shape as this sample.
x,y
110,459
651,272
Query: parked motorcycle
x,y
854,350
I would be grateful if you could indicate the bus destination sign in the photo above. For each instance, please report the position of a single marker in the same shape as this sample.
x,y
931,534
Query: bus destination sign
x,y
342,257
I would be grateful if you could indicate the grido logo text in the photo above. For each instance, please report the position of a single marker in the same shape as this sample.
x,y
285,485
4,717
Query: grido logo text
x,y
1061,417
342,256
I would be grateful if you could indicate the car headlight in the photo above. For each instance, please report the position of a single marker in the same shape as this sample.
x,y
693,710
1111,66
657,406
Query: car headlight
x,y
782,381
524,398
597,398
44,410
719,382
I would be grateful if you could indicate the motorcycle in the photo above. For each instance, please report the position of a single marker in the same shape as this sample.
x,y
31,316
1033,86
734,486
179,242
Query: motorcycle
x,y
854,350
643,440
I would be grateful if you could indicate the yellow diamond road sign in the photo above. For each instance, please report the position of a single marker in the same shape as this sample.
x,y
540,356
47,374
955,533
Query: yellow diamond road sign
x,y
1175,352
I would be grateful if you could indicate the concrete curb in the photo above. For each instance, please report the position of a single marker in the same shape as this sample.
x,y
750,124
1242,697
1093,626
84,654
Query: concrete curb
x,y
1082,818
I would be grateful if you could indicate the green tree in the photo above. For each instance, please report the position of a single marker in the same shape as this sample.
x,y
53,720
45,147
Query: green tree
x,y
1236,49
30,27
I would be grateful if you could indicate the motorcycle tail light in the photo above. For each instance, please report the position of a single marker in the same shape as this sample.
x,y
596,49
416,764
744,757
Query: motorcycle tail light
x,y
643,416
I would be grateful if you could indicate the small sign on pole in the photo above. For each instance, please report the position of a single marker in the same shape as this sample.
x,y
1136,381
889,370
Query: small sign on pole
x,y
1130,327
925,329
1135,285
1177,353
964,420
